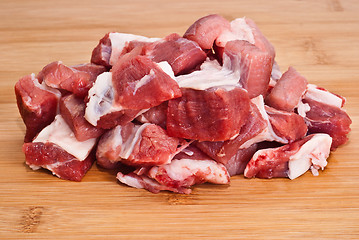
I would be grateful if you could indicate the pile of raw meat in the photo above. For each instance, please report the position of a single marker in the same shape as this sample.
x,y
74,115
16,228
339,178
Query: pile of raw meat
x,y
168,113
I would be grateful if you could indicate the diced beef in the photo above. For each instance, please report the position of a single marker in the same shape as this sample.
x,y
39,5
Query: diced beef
x,y
206,30
288,91
52,157
287,125
136,145
246,29
215,114
37,105
78,79
102,52
142,181
101,109
72,110
254,65
140,84
239,161
322,95
182,54
223,151
56,149
156,115
113,45
324,118
291,160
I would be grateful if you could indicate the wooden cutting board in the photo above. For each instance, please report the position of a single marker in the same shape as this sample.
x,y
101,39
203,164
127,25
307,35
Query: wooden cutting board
x,y
319,38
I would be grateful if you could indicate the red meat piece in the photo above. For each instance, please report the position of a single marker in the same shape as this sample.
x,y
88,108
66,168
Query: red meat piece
x,y
254,65
58,161
323,118
140,83
288,91
37,105
72,110
206,29
287,125
214,114
182,54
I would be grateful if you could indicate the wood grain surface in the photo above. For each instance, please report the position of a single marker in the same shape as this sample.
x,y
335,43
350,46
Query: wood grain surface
x,y
319,38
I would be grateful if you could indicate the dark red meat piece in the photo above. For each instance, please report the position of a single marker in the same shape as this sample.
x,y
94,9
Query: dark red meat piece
x,y
37,106
214,114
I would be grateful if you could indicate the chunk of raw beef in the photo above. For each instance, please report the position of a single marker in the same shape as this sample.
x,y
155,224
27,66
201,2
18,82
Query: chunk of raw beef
x,y
72,110
37,103
57,149
245,29
183,55
268,133
288,91
238,162
136,145
214,114
140,84
223,151
254,65
58,161
291,160
77,79
324,118
113,45
156,115
101,109
287,125
189,167
142,181
206,30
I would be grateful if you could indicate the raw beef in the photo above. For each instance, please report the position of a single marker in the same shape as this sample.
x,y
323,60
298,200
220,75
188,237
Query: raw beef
x,y
72,110
136,145
324,118
77,79
37,103
113,45
58,161
182,54
140,84
254,65
223,151
288,91
156,115
101,110
245,29
286,125
291,160
206,30
239,161
214,114
172,112
56,149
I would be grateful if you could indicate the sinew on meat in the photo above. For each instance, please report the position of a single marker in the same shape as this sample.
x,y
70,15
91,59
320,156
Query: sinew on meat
x,y
169,113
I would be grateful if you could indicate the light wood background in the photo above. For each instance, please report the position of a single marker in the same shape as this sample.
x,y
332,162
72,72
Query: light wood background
x,y
319,38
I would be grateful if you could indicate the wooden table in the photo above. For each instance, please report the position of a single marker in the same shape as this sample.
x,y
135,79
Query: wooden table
x,y
319,38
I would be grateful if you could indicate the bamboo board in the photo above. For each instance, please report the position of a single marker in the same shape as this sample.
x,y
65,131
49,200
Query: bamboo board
x,y
319,38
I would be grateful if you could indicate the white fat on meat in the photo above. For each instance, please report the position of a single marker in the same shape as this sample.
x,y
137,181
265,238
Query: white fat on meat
x,y
211,74
312,155
302,108
268,133
101,99
240,30
128,144
182,169
119,40
323,96
59,133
